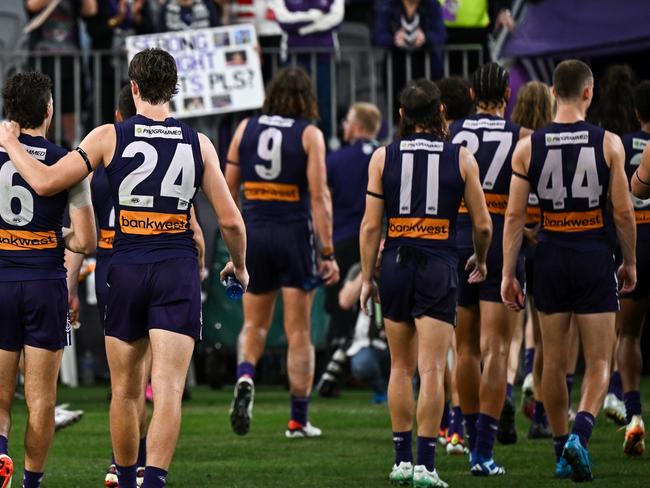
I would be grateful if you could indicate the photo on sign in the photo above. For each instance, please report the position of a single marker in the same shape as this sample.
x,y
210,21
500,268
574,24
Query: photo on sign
x,y
243,36
236,58
221,39
221,101
193,103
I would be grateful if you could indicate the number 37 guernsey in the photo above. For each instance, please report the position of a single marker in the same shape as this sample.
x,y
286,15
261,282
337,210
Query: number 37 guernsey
x,y
154,174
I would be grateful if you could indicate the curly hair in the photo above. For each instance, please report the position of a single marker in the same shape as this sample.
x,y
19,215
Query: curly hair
x,y
455,96
490,83
615,111
26,97
420,102
154,70
125,104
291,94
534,105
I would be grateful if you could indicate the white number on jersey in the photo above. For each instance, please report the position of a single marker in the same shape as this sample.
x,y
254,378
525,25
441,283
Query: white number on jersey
x,y
269,148
406,184
182,165
472,143
9,192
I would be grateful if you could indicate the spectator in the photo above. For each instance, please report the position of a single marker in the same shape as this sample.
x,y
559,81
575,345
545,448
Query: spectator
x,y
178,15
412,30
347,176
456,97
469,21
615,111
56,31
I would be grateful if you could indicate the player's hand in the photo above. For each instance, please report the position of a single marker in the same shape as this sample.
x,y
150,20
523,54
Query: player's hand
x,y
530,234
512,294
368,290
626,278
477,270
8,130
240,273
329,271
74,306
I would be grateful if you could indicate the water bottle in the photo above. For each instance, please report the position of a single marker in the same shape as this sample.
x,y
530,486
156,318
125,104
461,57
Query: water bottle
x,y
234,290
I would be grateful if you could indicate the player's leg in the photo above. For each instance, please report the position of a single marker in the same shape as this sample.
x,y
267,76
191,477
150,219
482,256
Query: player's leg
x,y
403,346
444,420
539,428
456,431
573,339
141,463
8,371
527,389
613,405
468,367
507,433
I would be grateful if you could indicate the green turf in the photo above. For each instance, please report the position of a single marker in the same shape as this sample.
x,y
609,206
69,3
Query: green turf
x,y
356,448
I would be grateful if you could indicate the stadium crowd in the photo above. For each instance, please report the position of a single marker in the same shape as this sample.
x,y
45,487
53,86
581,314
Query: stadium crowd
x,y
442,252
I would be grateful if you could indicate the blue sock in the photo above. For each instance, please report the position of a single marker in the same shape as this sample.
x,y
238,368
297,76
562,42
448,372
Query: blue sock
x,y
486,433
4,445
444,421
142,453
539,414
529,360
245,369
558,445
299,407
154,477
126,476
583,426
470,426
632,405
32,479
402,444
616,385
569,385
456,422
427,452
509,389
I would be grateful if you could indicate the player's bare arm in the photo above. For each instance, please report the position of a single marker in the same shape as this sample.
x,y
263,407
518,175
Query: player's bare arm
x,y
321,199
641,177
233,170
98,146
371,225
511,291
622,210
199,239
478,212
83,238
231,223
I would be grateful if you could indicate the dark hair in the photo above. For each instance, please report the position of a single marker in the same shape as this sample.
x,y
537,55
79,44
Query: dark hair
x,y
570,77
534,105
615,110
642,100
26,97
154,70
455,96
490,83
420,102
291,94
125,103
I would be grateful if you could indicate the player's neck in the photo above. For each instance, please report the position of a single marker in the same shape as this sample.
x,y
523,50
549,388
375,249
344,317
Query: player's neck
x,y
645,127
154,112
494,110
36,132
569,114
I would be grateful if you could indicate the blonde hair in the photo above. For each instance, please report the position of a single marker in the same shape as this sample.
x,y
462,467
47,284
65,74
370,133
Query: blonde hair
x,y
534,106
369,116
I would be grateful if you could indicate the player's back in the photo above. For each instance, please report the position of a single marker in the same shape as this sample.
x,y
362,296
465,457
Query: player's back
x,y
273,165
634,144
570,176
423,188
31,242
492,140
153,177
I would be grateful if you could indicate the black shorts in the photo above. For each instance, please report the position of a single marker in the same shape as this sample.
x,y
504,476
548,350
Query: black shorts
x,y
529,254
425,285
571,280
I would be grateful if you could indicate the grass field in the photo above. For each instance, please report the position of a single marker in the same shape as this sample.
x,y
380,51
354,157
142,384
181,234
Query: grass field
x,y
355,450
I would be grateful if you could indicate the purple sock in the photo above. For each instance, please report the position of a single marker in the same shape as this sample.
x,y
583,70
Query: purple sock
x,y
142,453
471,420
444,421
583,426
616,385
456,422
402,444
299,407
245,368
32,479
486,432
126,476
427,452
509,389
539,414
632,405
4,445
569,385
529,360
558,445
154,477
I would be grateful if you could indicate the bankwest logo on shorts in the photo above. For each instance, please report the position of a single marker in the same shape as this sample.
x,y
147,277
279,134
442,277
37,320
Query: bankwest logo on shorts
x,y
563,138
419,228
642,217
496,204
272,192
158,131
573,221
25,240
106,237
152,223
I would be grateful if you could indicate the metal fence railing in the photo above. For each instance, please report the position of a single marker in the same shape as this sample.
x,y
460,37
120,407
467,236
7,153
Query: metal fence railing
x,y
94,78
